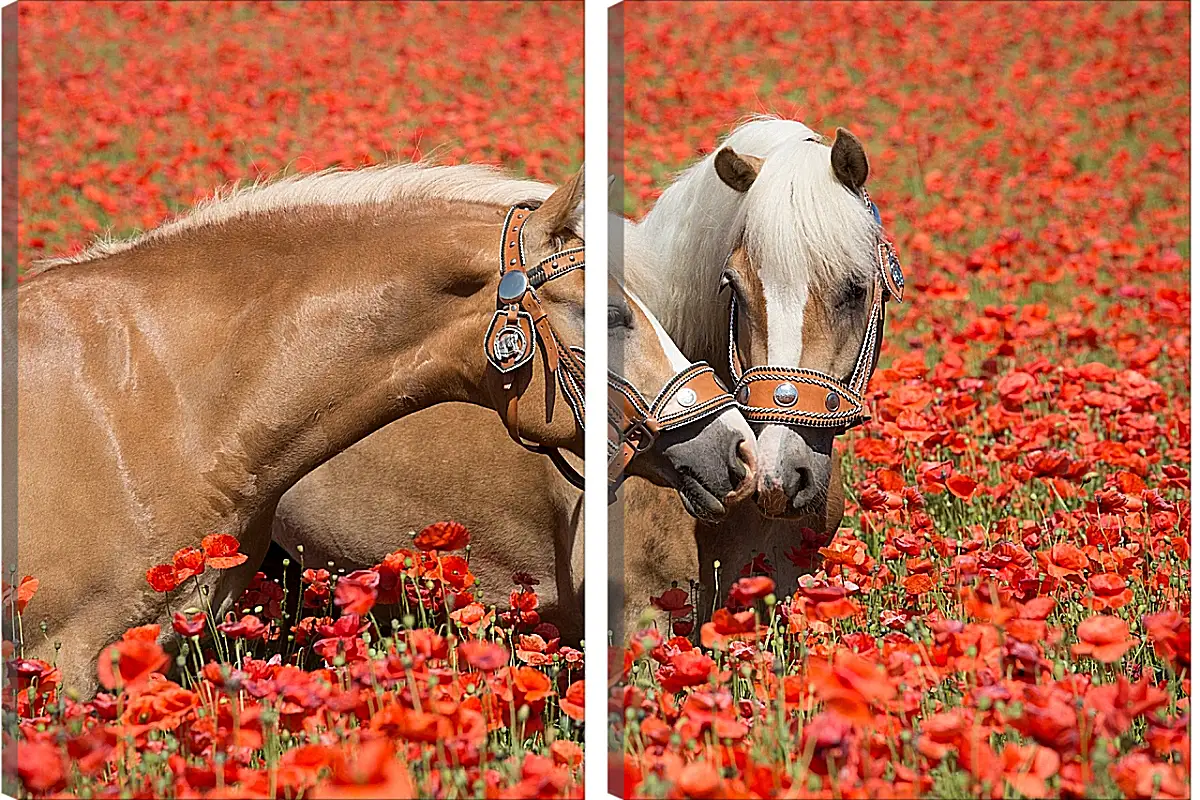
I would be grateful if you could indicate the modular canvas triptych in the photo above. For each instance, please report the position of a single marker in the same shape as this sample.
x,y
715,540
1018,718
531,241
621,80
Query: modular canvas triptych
x,y
304,376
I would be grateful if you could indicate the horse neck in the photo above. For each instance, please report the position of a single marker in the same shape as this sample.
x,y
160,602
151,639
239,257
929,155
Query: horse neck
x,y
287,346
674,257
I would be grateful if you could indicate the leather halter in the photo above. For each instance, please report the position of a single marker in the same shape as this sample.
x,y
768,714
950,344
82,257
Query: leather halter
x,y
634,424
520,320
809,398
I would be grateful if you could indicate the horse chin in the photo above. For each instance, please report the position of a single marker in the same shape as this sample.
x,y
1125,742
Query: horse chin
x,y
773,508
699,502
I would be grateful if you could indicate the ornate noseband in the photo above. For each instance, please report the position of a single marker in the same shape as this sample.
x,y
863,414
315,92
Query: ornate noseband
x,y
511,341
808,398
693,394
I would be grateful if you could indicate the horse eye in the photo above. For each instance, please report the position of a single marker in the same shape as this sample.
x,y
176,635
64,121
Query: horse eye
x,y
618,318
727,278
852,295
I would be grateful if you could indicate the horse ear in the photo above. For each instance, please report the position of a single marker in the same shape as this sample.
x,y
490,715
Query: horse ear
x,y
849,160
737,172
559,210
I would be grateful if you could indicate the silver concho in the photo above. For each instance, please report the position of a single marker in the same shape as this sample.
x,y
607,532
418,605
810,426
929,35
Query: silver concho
x,y
686,397
513,286
510,343
786,395
832,401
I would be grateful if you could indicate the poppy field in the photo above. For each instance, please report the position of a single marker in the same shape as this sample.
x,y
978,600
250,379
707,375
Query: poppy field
x,y
1005,610
388,682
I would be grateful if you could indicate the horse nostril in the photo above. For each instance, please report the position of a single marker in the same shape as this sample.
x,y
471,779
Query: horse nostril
x,y
805,479
742,471
737,467
747,454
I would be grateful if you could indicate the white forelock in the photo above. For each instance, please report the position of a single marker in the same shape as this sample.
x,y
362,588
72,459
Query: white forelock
x,y
802,228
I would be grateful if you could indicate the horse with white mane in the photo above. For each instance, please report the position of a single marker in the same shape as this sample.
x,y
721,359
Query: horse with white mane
x,y
177,384
776,217
808,255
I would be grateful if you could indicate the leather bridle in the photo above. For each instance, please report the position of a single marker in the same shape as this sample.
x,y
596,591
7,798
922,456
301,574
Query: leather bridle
x,y
808,398
634,424
511,341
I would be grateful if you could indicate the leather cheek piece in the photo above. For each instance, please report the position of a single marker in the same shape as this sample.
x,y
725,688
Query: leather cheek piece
x,y
890,270
509,343
520,320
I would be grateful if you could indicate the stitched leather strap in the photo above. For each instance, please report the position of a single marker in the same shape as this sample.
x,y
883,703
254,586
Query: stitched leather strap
x,y
521,321
691,395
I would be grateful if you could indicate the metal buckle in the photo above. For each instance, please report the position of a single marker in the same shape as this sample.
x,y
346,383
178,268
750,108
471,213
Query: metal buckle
x,y
509,346
641,434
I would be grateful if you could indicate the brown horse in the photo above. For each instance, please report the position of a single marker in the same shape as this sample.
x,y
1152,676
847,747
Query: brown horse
x,y
343,516
674,259
179,383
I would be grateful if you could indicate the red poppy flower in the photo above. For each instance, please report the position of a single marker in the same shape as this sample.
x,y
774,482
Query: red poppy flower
x,y
961,486
483,656
674,601
356,593
1110,591
726,624
1104,638
128,664
1027,768
189,626
918,584
747,590
442,536
687,668
142,633
473,617
850,685
371,770
533,684
162,578
700,779
248,627
1063,560
188,562
1015,389
42,767
566,753
572,701
1171,633
26,588
221,550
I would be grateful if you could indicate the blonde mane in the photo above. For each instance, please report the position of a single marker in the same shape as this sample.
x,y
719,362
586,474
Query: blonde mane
x,y
333,188
800,225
